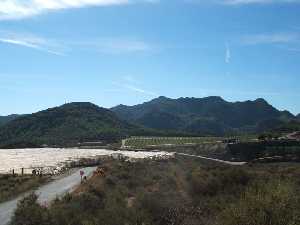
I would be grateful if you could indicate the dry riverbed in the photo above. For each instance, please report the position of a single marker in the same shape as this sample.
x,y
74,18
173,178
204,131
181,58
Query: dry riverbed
x,y
57,157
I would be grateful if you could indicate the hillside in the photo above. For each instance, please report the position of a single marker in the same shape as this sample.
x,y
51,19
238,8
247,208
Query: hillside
x,y
298,116
211,115
6,119
67,124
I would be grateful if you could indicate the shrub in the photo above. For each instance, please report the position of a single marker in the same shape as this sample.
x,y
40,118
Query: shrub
x,y
209,182
274,203
29,212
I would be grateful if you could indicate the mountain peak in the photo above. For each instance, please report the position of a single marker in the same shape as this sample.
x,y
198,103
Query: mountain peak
x,y
79,104
160,99
215,98
261,101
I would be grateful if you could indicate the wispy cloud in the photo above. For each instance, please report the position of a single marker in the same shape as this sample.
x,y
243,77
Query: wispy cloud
x,y
276,38
17,9
31,41
62,46
296,50
130,79
243,2
227,54
248,2
115,45
139,90
130,83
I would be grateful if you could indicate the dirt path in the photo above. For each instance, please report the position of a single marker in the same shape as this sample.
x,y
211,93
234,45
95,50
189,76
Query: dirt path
x,y
46,193
215,160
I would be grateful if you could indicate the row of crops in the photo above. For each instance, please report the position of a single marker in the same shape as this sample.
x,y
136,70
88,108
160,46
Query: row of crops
x,y
142,142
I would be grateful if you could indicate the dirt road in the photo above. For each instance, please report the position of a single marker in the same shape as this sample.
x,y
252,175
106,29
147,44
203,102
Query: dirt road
x,y
46,193
215,160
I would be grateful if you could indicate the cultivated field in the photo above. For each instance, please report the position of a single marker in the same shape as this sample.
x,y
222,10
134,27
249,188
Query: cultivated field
x,y
142,142
148,142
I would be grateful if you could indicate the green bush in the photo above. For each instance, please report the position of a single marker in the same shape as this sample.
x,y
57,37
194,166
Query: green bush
x,y
209,182
29,212
274,203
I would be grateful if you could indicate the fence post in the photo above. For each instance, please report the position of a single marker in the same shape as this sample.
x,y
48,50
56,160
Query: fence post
x,y
13,172
22,171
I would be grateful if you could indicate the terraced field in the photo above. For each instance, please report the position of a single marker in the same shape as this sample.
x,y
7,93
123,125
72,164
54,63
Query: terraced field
x,y
150,142
144,142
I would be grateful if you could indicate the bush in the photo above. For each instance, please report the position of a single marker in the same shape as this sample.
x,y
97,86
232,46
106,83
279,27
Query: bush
x,y
209,182
162,208
29,212
274,203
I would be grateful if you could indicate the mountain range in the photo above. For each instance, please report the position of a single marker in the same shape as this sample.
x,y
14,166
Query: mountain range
x,y
203,116
67,124
80,122
5,119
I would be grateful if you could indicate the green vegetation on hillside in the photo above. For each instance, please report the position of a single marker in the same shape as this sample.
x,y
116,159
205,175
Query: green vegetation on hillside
x,y
74,123
176,192
66,125
204,116
6,119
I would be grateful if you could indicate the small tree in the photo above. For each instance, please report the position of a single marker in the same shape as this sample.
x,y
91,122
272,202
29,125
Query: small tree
x,y
29,212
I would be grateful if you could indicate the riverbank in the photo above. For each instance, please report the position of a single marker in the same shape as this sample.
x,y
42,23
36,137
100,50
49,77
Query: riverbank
x,y
182,190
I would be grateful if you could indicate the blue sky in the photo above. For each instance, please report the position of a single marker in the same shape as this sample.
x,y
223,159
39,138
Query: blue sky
x,y
130,51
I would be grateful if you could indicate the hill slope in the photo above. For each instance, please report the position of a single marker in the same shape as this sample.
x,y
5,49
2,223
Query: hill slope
x,y
70,123
5,119
211,115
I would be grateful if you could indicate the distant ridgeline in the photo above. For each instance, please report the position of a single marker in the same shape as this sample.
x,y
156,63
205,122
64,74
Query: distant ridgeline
x,y
205,116
75,123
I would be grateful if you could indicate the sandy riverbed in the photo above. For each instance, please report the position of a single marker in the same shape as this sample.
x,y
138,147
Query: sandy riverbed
x,y
53,157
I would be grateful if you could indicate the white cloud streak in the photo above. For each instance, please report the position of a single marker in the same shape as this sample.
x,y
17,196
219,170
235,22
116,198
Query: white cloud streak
x,y
296,50
30,41
130,83
227,54
130,79
139,90
278,38
62,47
116,46
243,2
18,9
248,2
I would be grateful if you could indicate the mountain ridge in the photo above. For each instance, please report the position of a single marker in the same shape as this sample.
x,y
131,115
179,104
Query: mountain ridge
x,y
6,119
69,123
83,121
212,115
